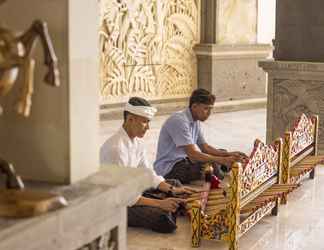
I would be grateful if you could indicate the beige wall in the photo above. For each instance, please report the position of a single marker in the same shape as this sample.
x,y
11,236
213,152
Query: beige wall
x,y
266,21
236,22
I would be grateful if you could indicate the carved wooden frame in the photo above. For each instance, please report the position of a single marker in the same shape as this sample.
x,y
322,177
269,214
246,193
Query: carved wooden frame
x,y
305,129
203,226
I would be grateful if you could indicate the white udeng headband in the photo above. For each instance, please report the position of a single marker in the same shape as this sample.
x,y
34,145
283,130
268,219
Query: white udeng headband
x,y
145,111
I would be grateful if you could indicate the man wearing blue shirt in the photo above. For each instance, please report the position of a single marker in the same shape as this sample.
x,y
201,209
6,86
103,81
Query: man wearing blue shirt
x,y
182,148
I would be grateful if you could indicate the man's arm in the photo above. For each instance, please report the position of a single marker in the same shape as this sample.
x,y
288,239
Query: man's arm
x,y
170,204
182,190
208,149
195,154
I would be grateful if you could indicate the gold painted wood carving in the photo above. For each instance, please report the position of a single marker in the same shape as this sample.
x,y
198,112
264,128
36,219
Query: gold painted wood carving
x,y
261,166
300,151
146,48
229,213
302,134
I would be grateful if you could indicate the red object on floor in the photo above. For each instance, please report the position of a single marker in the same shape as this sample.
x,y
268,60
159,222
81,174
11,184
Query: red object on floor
x,y
214,183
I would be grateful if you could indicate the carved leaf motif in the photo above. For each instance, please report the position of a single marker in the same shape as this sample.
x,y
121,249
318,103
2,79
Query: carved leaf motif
x,y
184,24
115,83
117,56
138,47
149,45
178,46
142,80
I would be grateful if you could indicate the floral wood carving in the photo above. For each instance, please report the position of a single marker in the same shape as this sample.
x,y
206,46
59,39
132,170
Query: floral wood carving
x,y
262,164
302,134
146,48
255,217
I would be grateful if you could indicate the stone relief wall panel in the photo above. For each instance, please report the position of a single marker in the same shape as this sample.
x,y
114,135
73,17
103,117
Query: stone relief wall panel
x,y
291,98
146,48
236,22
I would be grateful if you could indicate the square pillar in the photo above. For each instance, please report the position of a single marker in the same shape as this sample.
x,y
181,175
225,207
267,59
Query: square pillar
x,y
228,52
59,141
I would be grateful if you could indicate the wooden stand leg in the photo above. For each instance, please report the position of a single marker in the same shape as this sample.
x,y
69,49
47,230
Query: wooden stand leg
x,y
283,200
233,209
275,210
285,170
196,224
312,174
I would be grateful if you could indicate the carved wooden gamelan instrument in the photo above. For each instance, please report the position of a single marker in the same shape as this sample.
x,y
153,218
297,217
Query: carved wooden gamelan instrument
x,y
300,151
254,191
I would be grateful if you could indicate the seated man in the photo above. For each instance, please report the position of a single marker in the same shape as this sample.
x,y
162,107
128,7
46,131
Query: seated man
x,y
182,148
155,208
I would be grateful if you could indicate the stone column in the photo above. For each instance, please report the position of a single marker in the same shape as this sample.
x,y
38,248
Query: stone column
x,y
296,76
228,51
58,142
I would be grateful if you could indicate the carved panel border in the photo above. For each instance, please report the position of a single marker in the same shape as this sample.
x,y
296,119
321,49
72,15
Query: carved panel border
x,y
146,48
302,134
262,164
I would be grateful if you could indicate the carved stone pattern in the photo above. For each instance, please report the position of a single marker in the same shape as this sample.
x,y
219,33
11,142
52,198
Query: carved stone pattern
x,y
255,217
101,243
302,134
291,98
146,48
262,164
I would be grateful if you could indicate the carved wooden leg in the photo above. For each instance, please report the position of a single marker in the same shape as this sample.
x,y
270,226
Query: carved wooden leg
x,y
275,210
233,209
196,224
279,143
315,120
312,174
285,171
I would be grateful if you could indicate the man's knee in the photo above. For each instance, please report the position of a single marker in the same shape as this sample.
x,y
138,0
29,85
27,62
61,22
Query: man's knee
x,y
151,218
166,223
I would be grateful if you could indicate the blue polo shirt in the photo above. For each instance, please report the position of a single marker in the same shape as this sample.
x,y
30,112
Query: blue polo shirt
x,y
178,131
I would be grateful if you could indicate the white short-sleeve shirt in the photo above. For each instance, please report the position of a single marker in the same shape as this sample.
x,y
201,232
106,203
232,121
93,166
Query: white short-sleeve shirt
x,y
121,150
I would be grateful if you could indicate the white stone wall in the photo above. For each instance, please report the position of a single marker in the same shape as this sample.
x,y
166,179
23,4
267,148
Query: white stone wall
x,y
266,21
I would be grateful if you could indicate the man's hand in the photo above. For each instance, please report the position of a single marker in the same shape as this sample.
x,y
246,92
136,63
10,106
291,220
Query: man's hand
x,y
170,204
184,190
238,153
229,160
240,156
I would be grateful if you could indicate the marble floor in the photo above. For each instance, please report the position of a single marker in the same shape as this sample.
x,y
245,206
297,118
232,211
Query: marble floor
x,y
300,223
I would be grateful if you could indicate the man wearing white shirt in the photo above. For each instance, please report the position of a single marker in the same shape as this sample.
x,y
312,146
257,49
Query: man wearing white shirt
x,y
125,148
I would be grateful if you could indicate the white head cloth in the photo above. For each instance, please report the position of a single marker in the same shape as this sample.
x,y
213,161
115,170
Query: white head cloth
x,y
145,111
